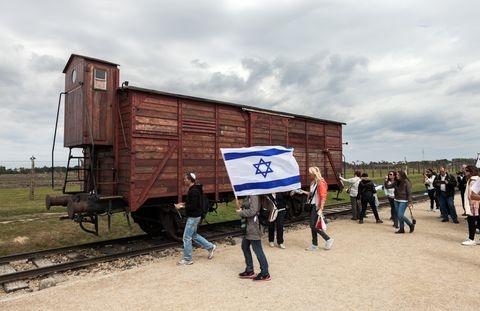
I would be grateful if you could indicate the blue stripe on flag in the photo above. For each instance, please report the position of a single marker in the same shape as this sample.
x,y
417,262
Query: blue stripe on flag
x,y
264,153
267,184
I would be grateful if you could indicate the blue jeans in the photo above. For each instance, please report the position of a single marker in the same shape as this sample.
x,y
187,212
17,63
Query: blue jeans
x,y
401,207
447,207
258,250
393,211
189,234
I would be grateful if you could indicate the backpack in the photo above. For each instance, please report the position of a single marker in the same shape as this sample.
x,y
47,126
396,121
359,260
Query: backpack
x,y
272,216
205,205
267,215
263,216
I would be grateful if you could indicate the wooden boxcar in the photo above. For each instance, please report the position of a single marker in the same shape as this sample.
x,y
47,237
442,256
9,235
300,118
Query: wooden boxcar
x,y
136,145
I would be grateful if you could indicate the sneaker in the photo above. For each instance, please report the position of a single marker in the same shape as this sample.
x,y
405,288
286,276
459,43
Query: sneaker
x,y
211,251
184,262
312,248
271,244
379,221
246,275
329,243
282,246
469,242
455,221
261,277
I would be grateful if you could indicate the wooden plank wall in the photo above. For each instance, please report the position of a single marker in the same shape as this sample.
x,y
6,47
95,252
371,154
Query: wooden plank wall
x,y
186,136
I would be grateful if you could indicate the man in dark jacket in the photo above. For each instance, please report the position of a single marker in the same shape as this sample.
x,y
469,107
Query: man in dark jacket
x,y
193,212
366,191
445,185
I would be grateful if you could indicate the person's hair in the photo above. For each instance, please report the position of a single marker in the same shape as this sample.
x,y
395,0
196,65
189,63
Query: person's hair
x,y
191,176
314,170
357,173
364,175
402,175
472,169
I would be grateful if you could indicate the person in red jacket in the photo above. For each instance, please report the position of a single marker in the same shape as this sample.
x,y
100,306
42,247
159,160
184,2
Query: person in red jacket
x,y
318,195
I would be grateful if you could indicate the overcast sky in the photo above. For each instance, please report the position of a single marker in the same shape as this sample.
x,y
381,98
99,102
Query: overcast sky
x,y
403,75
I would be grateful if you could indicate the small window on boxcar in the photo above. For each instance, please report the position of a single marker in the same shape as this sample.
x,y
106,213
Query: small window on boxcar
x,y
100,79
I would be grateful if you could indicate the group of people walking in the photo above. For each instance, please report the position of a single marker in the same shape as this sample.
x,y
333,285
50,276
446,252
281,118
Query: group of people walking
x,y
398,190
362,191
248,210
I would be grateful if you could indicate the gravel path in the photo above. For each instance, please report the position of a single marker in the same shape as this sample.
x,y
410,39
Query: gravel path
x,y
368,268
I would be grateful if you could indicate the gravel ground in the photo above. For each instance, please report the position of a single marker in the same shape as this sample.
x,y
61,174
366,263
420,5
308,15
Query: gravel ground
x,y
368,268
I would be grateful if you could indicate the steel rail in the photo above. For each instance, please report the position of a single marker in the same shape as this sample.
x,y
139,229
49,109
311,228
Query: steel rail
x,y
209,231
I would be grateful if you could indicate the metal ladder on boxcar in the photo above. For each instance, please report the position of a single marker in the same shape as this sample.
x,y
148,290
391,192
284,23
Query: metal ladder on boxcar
x,y
83,174
85,171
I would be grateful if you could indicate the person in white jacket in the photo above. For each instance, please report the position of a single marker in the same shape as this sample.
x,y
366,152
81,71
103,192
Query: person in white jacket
x,y
353,191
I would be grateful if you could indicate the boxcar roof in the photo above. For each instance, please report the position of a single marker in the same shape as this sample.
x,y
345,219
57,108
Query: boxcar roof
x,y
87,58
228,103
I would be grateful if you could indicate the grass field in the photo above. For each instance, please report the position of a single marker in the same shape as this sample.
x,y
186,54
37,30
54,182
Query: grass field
x,y
26,225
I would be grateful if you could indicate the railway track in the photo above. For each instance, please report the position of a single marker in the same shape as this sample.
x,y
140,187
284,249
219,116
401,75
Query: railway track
x,y
17,270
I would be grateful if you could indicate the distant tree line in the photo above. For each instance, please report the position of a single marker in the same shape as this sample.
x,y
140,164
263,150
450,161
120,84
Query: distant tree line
x,y
412,167
38,170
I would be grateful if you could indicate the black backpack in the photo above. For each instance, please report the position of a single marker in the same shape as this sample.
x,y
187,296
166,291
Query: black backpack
x,y
205,205
263,215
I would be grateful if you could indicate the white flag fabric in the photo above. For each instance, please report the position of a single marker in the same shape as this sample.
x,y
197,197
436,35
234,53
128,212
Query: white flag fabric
x,y
478,160
261,169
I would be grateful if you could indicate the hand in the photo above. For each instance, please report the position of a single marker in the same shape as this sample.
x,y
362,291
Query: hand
x,y
179,205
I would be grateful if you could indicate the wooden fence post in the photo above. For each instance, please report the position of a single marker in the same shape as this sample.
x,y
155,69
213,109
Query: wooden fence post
x,y
32,179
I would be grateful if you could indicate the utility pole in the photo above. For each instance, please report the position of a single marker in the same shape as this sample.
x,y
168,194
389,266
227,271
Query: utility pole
x,y
32,179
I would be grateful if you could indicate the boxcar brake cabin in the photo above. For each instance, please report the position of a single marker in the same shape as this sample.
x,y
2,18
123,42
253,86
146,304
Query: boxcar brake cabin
x,y
130,147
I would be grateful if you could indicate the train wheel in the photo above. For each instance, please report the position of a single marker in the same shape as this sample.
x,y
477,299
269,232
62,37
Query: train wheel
x,y
171,225
150,227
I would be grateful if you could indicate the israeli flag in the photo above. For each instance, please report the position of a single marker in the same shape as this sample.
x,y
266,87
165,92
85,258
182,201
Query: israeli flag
x,y
261,169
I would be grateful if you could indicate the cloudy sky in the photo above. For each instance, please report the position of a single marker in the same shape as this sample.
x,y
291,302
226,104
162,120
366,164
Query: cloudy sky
x,y
403,75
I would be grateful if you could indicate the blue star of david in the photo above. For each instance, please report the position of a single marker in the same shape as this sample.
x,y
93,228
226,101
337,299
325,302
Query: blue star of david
x,y
267,166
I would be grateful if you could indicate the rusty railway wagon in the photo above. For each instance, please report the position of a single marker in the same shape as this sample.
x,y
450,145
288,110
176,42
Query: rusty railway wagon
x,y
130,147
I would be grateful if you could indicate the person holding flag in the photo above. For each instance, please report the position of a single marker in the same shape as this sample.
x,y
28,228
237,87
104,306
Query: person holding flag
x,y
255,172
252,237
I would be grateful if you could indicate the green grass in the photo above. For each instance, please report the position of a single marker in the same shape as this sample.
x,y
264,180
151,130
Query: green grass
x,y
26,225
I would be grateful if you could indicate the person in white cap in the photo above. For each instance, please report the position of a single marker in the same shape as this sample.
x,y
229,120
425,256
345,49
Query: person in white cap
x,y
193,212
